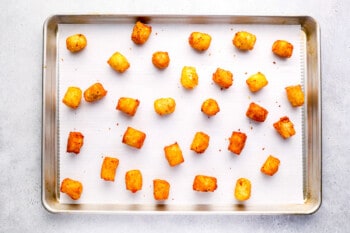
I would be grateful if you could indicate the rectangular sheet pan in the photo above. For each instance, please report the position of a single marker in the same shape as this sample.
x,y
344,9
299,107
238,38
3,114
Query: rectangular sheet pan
x,y
310,123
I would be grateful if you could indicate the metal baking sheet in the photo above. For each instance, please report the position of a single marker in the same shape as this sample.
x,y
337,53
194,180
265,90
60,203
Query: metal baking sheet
x,y
56,122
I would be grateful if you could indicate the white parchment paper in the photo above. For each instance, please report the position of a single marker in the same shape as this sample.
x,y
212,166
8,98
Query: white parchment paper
x,y
103,126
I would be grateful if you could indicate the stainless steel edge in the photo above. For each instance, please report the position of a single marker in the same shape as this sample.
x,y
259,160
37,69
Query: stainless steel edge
x,y
315,157
49,168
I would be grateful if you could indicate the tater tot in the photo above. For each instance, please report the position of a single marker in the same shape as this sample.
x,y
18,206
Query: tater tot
x,y
164,106
76,43
189,77
108,169
295,95
284,127
160,59
72,188
223,78
282,48
161,189
173,154
118,62
243,189
199,41
210,107
270,166
256,82
72,98
256,112
237,142
128,105
134,138
133,180
75,142
141,33
94,93
202,183
200,142
244,40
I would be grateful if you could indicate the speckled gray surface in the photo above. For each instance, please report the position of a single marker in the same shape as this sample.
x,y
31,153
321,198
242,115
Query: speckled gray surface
x,y
21,25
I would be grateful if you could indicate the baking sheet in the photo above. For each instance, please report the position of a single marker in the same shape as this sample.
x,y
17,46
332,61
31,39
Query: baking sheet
x,y
103,126
229,167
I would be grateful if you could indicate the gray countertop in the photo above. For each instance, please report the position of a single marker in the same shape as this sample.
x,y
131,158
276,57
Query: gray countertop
x,y
21,42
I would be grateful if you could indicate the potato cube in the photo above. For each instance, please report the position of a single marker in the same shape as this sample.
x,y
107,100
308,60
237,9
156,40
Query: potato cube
x,y
75,142
189,77
243,189
133,180
164,106
223,78
284,127
282,48
200,142
256,82
72,188
160,59
270,167
109,167
161,189
72,97
141,33
173,154
244,40
204,183
128,105
118,62
256,112
237,142
210,107
76,43
199,41
94,92
295,95
134,138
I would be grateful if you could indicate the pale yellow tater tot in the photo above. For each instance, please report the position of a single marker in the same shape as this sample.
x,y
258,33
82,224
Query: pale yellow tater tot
x,y
76,43
189,77
164,106
199,41
119,62
244,40
256,82
243,189
72,98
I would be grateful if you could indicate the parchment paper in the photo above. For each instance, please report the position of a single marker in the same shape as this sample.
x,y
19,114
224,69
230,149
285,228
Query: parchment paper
x,y
103,126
